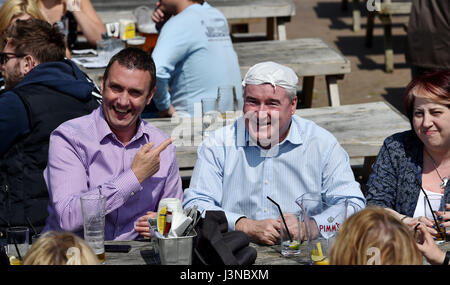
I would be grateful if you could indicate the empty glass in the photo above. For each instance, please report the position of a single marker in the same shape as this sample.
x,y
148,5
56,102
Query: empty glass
x,y
209,115
290,243
226,100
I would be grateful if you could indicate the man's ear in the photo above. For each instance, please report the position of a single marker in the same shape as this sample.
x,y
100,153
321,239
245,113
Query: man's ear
x,y
150,96
294,104
28,63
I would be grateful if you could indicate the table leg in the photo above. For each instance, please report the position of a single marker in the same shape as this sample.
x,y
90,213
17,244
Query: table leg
x,y
369,30
307,92
356,15
333,90
386,19
270,28
281,28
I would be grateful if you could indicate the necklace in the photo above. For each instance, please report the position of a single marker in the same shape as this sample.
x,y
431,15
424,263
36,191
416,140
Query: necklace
x,y
443,179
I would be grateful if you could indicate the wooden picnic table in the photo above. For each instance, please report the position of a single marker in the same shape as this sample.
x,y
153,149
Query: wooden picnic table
x,y
308,57
384,9
142,253
360,129
277,12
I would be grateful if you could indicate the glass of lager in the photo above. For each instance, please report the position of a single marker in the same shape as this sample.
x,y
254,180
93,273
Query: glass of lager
x,y
93,209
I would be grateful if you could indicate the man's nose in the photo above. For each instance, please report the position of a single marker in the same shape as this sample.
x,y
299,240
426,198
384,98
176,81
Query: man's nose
x,y
123,99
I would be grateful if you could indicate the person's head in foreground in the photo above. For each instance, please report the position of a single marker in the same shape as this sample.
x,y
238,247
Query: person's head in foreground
x,y
374,237
269,102
60,248
427,104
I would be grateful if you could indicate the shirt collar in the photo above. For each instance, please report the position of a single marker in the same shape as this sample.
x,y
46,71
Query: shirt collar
x,y
105,131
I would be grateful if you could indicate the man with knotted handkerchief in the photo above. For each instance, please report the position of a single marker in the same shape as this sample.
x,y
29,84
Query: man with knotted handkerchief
x,y
269,152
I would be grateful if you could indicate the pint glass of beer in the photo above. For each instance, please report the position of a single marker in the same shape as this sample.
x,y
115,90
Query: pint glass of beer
x,y
93,209
151,36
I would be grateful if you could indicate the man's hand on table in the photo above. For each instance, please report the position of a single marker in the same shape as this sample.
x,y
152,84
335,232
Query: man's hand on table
x,y
142,226
168,113
146,161
265,231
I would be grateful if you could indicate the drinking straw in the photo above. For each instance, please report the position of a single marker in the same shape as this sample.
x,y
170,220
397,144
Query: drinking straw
x,y
17,248
282,217
32,227
434,216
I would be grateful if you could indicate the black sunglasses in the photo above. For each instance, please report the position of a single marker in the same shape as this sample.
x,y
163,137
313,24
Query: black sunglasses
x,y
5,56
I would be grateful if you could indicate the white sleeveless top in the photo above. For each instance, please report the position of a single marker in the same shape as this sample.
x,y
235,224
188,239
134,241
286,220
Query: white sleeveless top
x,y
421,202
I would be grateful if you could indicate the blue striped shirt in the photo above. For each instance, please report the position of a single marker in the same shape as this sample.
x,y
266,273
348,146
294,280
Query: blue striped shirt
x,y
236,176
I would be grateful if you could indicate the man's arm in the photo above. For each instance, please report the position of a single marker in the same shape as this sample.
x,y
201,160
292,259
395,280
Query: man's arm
x,y
172,189
67,179
14,120
205,189
206,192
264,231
168,113
174,43
338,177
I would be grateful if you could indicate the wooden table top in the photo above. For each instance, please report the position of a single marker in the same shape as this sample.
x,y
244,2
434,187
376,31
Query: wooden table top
x,y
306,56
113,10
142,253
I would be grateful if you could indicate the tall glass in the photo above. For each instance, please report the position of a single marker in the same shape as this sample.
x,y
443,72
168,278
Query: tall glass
x,y
227,102
93,209
437,203
209,115
18,239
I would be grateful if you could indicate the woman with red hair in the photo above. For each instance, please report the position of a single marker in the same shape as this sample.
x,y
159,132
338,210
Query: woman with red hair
x,y
415,164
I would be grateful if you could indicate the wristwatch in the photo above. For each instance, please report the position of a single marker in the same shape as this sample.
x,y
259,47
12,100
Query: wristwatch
x,y
447,258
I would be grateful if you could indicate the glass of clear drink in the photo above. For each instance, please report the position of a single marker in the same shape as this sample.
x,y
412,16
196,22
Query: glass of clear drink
x,y
93,209
209,115
18,239
290,243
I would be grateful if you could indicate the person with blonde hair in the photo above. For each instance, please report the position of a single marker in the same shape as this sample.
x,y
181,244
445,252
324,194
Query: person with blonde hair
x,y
62,248
12,10
374,236
68,15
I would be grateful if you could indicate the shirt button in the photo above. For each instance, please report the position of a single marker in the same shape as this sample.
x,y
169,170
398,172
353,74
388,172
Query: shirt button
x,y
265,210
266,182
132,194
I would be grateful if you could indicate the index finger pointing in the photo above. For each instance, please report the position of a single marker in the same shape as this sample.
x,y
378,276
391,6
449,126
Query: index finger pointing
x,y
163,145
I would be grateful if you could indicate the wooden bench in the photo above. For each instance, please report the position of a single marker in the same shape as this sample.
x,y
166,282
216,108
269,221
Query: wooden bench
x,y
385,10
308,57
276,12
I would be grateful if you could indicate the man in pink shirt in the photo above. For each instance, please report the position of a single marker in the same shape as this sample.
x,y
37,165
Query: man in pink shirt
x,y
114,152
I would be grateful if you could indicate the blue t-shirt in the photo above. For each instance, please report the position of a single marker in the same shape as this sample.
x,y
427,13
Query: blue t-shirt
x,y
194,55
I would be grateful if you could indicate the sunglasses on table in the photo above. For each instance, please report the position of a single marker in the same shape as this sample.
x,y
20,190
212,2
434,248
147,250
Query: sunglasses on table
x,y
5,56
